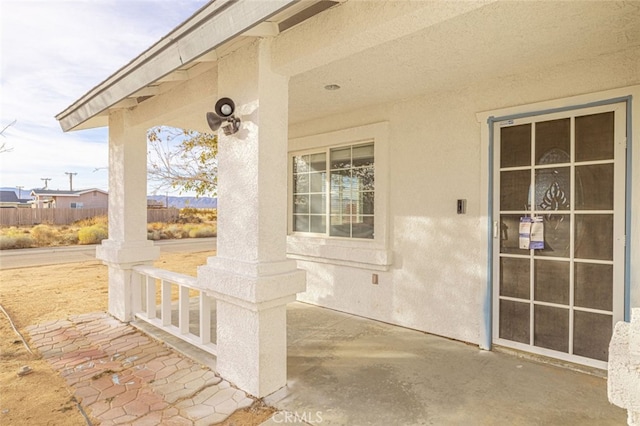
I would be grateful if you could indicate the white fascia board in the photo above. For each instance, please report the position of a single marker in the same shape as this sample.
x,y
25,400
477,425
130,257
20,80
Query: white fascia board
x,y
84,191
210,27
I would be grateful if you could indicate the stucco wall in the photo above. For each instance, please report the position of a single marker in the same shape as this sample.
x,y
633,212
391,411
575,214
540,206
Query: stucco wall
x,y
437,282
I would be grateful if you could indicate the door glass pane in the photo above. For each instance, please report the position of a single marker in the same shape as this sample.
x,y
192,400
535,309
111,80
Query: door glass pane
x,y
594,137
514,277
594,236
551,328
552,141
593,286
551,281
515,146
514,321
514,190
594,187
509,234
553,189
557,241
591,335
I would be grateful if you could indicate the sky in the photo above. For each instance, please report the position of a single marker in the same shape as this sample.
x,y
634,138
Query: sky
x,y
51,53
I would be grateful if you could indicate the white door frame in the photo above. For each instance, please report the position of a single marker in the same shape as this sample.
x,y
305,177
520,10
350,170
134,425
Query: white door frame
x,y
487,120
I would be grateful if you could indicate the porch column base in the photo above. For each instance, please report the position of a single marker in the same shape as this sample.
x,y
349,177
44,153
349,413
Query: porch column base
x,y
252,319
121,257
623,383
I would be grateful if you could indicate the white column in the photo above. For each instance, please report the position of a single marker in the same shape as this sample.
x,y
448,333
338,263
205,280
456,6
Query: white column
x,y
127,245
251,277
623,384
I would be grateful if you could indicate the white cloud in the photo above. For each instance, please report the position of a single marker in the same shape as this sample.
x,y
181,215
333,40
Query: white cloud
x,y
51,53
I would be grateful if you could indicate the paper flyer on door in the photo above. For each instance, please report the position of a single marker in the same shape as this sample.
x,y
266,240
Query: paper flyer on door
x,y
531,233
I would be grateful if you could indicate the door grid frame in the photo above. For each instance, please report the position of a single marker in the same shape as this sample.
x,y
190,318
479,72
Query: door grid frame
x,y
488,307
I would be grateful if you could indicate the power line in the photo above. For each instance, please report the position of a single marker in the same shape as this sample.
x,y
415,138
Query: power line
x,y
71,175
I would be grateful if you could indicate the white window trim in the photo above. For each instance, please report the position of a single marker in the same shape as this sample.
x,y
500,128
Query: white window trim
x,y
361,253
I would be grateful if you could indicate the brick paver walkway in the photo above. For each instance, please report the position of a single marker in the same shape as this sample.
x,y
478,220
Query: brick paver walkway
x,y
121,376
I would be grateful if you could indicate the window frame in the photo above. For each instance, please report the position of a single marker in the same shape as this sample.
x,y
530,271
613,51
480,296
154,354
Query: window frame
x,y
326,150
368,253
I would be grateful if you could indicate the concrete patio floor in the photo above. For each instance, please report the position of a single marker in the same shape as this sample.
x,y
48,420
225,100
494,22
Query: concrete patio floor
x,y
347,370
342,370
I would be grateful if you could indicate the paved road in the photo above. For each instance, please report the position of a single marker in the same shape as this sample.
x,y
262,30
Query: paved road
x,y
10,259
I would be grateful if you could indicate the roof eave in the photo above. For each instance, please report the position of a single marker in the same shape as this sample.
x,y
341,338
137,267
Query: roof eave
x,y
211,26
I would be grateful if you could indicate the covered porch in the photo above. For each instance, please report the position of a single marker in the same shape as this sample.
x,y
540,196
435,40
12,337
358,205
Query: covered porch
x,y
410,87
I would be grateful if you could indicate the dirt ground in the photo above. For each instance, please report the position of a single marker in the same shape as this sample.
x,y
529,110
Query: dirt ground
x,y
34,295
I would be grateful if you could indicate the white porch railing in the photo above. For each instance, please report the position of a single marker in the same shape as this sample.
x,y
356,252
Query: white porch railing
x,y
145,282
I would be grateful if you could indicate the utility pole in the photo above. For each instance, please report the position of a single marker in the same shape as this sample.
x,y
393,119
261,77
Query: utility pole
x,y
71,175
46,182
19,188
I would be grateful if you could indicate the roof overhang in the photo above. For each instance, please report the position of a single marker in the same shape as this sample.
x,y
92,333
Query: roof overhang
x,y
219,25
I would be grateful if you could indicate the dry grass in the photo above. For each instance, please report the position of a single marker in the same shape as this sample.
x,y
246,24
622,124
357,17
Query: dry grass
x,y
94,230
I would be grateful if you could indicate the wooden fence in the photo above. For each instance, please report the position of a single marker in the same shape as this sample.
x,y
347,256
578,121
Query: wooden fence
x,y
56,216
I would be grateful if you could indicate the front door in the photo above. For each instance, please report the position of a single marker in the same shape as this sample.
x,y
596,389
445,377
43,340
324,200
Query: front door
x,y
559,232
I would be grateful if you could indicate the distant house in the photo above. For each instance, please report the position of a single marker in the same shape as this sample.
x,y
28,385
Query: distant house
x,y
82,199
10,199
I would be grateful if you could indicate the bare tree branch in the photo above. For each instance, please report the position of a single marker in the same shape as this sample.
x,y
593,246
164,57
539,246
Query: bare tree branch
x,y
182,159
3,146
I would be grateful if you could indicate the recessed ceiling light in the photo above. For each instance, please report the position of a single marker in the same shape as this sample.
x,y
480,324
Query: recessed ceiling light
x,y
331,87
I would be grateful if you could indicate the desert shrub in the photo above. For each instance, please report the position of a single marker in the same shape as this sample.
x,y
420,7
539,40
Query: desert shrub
x,y
187,219
92,234
70,239
153,234
155,226
96,220
44,235
16,242
188,227
176,231
203,232
189,211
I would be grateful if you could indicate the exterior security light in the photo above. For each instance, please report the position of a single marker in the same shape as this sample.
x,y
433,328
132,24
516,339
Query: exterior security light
x,y
225,107
224,112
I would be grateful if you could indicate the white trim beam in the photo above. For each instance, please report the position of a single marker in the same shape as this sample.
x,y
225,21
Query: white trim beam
x,y
213,25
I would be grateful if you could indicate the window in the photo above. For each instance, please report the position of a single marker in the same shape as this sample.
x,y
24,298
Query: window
x,y
333,191
76,205
339,197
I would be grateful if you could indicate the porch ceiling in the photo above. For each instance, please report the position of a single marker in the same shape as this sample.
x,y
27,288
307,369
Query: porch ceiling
x,y
491,43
